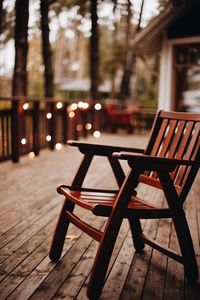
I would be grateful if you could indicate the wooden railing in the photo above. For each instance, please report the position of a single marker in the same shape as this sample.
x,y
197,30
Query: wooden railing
x,y
28,125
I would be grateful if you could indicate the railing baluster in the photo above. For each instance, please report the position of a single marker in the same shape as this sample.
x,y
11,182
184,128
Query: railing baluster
x,y
53,123
15,131
36,128
64,124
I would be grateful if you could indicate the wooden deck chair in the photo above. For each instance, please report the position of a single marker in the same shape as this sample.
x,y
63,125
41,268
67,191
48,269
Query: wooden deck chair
x,y
170,162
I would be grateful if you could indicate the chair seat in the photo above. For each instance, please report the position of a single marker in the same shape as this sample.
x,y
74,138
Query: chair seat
x,y
101,203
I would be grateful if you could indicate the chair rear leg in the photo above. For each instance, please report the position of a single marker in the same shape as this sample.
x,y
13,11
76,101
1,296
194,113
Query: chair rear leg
x,y
136,230
186,247
60,232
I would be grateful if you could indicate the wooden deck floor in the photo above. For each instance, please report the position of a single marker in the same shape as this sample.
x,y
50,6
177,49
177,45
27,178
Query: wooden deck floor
x,y
29,209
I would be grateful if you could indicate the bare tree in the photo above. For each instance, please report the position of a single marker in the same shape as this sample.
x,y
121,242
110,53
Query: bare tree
x,y
114,58
46,48
130,58
1,15
19,82
94,52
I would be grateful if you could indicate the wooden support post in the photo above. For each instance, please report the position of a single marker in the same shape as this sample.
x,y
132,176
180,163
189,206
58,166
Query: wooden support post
x,y
84,121
15,136
52,128
74,125
36,128
64,124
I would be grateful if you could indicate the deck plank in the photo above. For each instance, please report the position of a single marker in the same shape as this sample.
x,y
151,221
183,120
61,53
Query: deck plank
x,y
29,209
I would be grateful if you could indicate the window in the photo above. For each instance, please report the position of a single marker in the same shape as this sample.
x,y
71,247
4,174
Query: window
x,y
187,77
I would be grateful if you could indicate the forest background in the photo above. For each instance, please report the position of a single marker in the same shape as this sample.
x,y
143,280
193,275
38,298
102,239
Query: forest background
x,y
44,44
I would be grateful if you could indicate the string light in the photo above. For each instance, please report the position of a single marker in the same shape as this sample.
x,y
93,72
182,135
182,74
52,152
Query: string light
x,y
98,106
80,104
79,127
88,126
25,106
96,134
59,105
85,105
58,146
31,154
48,138
49,116
71,114
74,106
23,141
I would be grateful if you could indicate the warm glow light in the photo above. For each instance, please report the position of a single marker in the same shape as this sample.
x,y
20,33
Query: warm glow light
x,y
71,114
25,106
96,134
49,116
58,146
31,154
88,126
74,106
80,104
97,106
85,105
79,127
48,138
23,141
59,105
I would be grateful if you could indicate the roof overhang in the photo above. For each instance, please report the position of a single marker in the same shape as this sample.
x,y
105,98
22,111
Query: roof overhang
x,y
148,40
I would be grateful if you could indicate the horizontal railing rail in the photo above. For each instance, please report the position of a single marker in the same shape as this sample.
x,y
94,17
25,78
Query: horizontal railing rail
x,y
28,125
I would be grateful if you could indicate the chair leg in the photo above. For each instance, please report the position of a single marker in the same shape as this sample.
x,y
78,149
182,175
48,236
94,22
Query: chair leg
x,y
107,243
101,263
60,232
136,229
186,247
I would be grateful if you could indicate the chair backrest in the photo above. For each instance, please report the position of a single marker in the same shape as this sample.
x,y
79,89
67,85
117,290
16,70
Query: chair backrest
x,y
175,135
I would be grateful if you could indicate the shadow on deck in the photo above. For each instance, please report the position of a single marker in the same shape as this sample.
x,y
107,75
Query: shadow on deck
x,y
29,209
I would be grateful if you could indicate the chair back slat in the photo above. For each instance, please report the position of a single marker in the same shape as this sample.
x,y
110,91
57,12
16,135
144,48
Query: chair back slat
x,y
189,155
188,174
166,143
182,148
159,139
175,135
176,140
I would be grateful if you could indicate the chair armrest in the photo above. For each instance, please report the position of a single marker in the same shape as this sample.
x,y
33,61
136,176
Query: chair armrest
x,y
154,163
81,189
102,150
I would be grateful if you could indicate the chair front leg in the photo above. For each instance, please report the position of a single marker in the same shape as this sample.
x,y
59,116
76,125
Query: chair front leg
x,y
107,243
134,223
60,232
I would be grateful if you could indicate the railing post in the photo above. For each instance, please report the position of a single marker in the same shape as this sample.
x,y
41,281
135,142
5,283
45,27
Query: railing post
x,y
52,128
84,121
64,123
36,128
15,131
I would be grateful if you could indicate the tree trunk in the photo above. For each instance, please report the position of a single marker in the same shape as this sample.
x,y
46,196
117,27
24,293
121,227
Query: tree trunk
x,y
130,58
154,79
94,52
19,82
114,58
46,49
1,15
